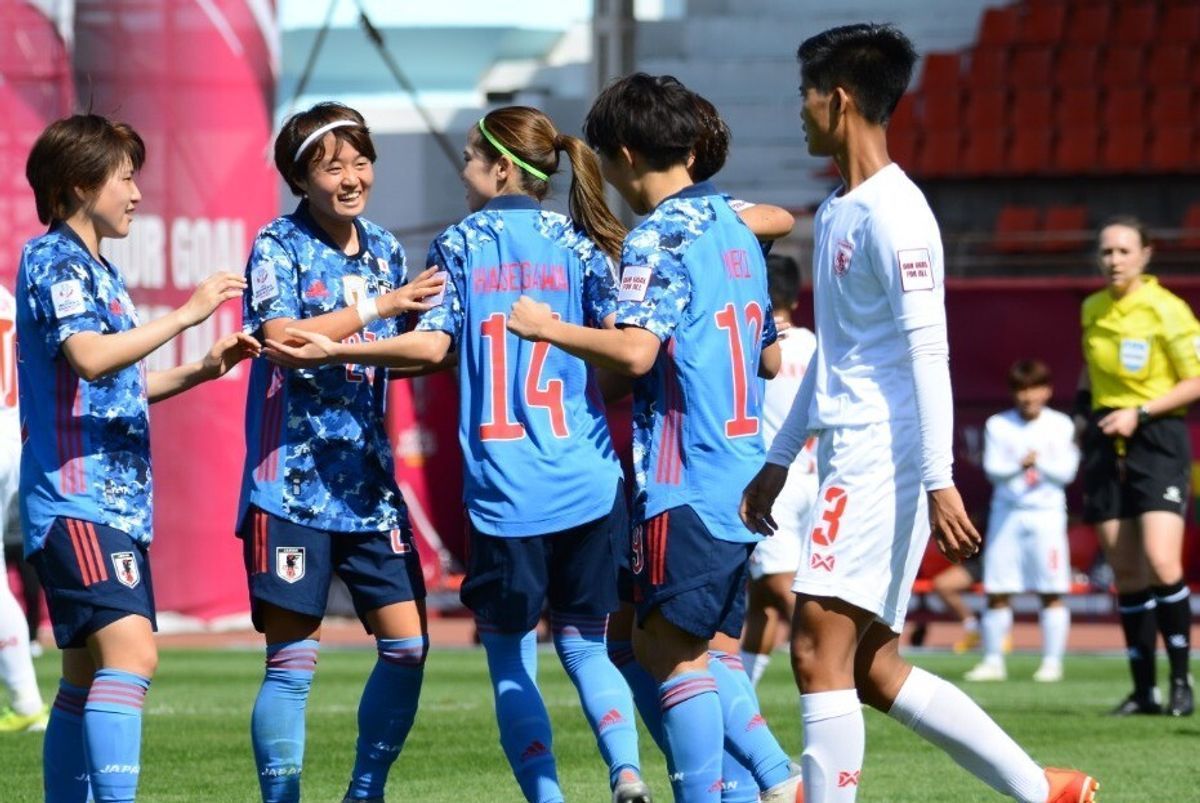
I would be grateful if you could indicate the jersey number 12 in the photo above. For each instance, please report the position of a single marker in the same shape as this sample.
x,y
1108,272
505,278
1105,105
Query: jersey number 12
x,y
742,423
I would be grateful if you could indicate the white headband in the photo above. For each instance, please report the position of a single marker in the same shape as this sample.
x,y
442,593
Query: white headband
x,y
320,132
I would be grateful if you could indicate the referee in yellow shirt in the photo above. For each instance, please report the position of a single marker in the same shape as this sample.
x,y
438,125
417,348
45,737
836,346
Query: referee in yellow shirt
x,y
1141,344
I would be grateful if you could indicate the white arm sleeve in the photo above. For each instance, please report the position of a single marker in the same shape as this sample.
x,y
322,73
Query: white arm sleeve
x,y
999,463
930,353
790,438
1061,463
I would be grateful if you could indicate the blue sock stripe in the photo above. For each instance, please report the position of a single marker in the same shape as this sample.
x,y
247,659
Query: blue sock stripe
x,y
298,655
129,695
620,653
683,688
734,662
566,624
70,699
404,652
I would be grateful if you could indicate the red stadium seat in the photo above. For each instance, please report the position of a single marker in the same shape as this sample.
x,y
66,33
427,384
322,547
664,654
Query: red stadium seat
x,y
987,108
999,26
1077,105
1123,149
1190,237
941,108
941,71
905,113
938,153
1042,24
1065,229
1172,106
1121,66
1135,22
1124,106
1076,66
1171,149
1087,24
902,146
1016,228
984,152
1180,23
1031,108
1030,66
1168,64
988,68
1077,149
1031,150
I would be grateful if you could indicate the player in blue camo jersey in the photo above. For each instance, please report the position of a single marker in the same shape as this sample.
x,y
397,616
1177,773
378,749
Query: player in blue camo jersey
x,y
694,325
319,494
530,420
85,488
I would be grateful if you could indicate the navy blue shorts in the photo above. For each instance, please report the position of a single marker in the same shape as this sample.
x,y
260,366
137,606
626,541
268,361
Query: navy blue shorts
x,y
290,566
509,580
695,581
93,575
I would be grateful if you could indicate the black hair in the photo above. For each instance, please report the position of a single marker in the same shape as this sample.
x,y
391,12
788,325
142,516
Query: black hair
x,y
712,144
1026,374
1130,222
873,63
653,116
783,281
296,130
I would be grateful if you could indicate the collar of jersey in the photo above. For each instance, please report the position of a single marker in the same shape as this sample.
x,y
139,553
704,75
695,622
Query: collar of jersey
x,y
513,201
1133,299
698,190
312,225
61,228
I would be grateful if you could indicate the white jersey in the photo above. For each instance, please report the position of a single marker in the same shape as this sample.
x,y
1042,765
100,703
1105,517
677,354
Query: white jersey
x,y
10,416
796,347
1008,438
877,274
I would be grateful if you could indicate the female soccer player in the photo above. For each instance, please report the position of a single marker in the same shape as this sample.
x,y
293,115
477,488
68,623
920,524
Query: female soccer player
x,y
543,486
85,466
319,493
1143,369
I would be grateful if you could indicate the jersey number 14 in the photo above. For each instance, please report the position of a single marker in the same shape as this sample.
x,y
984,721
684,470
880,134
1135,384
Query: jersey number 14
x,y
549,397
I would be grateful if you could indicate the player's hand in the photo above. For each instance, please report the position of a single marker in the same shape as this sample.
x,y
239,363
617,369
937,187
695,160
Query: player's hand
x,y
413,296
1119,423
782,323
228,352
956,537
759,496
210,294
315,349
1029,460
529,319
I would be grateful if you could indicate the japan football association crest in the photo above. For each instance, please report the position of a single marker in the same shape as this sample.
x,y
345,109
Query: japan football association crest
x,y
289,563
125,568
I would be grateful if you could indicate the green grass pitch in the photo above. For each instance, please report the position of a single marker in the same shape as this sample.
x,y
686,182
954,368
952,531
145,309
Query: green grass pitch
x,y
196,743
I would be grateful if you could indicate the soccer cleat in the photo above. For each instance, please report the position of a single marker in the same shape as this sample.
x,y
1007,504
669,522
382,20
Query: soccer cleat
x,y
1134,705
1182,703
1048,673
1070,786
968,643
630,789
789,791
987,672
12,722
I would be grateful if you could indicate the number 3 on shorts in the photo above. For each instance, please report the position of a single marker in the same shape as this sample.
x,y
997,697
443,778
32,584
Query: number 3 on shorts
x,y
835,506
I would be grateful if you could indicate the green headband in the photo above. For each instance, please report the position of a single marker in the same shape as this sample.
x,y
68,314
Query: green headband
x,y
528,168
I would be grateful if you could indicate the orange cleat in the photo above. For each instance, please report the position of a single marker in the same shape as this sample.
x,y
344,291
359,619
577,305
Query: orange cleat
x,y
1070,786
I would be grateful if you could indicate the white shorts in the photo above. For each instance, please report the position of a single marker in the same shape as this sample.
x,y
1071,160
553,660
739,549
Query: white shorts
x,y
10,516
1026,550
870,522
780,553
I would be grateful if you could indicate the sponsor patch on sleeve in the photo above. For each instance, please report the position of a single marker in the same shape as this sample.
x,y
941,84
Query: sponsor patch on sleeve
x,y
635,279
68,298
916,269
263,284
737,204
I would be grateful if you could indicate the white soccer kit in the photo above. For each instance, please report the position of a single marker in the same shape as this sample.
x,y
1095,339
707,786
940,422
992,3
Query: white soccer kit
x,y
10,420
780,554
879,395
1026,547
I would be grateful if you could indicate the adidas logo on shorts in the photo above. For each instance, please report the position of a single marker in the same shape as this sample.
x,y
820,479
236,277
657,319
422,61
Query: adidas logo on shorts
x,y
1172,494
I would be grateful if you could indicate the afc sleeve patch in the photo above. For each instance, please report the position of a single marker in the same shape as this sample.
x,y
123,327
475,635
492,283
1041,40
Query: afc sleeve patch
x,y
635,279
264,285
737,204
68,298
916,269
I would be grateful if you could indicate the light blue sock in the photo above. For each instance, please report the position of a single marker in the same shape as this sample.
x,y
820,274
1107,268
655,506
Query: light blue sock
x,y
386,712
112,734
737,781
64,762
521,713
277,724
605,697
692,730
642,684
747,737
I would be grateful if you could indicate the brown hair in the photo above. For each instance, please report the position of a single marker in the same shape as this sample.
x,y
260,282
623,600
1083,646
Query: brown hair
x,y
1027,374
530,135
80,151
1130,222
294,166
712,143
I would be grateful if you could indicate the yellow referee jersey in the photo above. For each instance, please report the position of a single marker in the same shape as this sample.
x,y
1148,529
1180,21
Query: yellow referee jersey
x,y
1140,346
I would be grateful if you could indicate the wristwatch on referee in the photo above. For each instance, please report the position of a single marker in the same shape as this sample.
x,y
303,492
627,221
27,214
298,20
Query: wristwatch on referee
x,y
1143,414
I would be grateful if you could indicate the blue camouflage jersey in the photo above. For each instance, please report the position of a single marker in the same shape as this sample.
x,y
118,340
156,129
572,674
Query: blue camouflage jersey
x,y
317,451
86,449
693,275
536,447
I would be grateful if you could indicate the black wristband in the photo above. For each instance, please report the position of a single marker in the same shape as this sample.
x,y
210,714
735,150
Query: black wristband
x,y
1144,415
1083,402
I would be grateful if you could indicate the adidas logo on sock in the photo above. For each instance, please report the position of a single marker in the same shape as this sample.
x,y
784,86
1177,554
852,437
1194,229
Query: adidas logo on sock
x,y
613,717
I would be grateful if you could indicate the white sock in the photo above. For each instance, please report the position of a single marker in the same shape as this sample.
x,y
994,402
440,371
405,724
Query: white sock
x,y
971,624
16,664
997,623
755,664
1056,623
834,742
940,713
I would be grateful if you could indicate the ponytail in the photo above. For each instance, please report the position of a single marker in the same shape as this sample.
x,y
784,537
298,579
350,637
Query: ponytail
x,y
587,204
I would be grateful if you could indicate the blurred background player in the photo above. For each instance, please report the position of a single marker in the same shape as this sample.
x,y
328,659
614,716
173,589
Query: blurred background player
x,y
25,711
543,488
319,492
85,464
1030,456
773,563
1141,344
879,393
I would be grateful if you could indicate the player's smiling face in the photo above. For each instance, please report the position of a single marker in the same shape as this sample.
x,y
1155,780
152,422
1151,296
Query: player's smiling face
x,y
110,207
1123,257
817,120
338,186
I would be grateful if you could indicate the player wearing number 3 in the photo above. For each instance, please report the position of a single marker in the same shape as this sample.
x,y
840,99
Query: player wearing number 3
x,y
543,485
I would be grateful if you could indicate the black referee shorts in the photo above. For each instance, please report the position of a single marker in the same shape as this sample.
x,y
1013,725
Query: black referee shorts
x,y
1155,475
